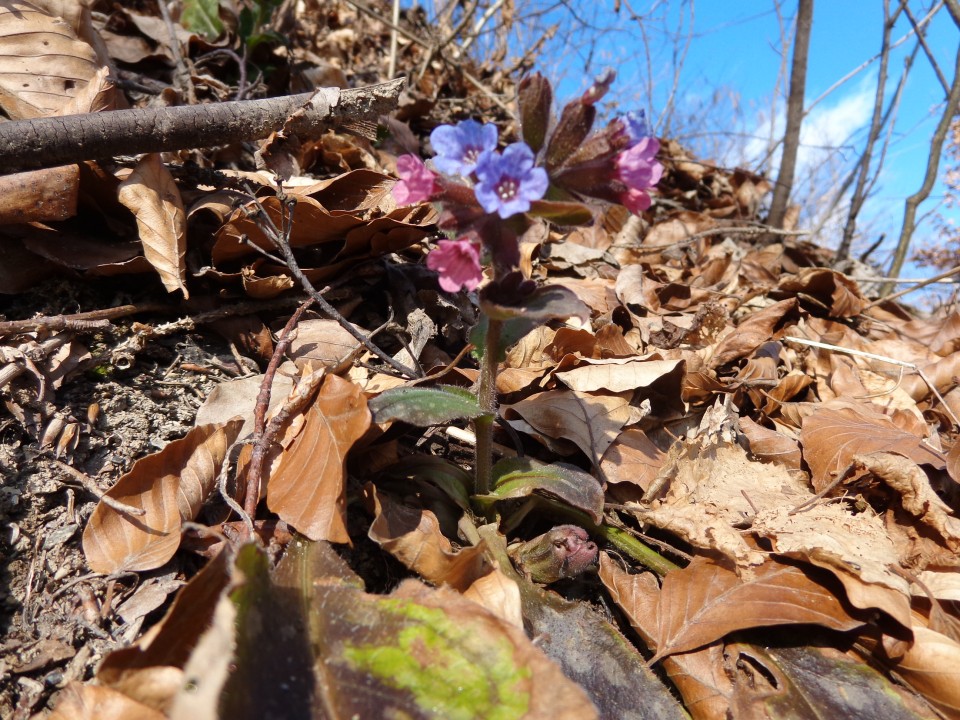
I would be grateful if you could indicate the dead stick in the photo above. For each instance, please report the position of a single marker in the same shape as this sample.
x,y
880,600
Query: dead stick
x,y
53,141
252,494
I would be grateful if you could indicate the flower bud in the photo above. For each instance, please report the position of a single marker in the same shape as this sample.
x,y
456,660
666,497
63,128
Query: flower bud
x,y
563,552
536,100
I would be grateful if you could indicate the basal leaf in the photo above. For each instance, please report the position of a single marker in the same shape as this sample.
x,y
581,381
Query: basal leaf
x,y
551,302
425,406
521,477
202,16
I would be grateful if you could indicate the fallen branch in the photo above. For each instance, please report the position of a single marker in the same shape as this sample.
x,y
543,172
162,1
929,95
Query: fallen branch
x,y
67,139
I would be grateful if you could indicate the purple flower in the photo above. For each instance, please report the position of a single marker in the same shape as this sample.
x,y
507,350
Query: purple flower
x,y
636,126
509,182
459,146
458,263
638,169
417,183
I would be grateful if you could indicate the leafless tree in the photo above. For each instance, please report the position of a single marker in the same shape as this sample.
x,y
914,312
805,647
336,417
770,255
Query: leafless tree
x,y
791,138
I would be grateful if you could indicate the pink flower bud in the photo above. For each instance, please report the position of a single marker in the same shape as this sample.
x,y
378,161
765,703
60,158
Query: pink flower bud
x,y
458,263
417,183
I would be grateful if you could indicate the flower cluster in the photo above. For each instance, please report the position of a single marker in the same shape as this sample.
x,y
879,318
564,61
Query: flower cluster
x,y
487,195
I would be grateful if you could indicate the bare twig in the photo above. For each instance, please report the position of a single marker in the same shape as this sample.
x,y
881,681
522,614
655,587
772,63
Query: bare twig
x,y
252,495
280,240
52,141
90,486
920,284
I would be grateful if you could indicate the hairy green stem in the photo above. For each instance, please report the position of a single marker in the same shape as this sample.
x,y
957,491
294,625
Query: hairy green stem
x,y
487,397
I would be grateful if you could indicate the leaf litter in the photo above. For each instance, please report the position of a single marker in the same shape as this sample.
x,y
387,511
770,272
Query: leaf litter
x,y
800,501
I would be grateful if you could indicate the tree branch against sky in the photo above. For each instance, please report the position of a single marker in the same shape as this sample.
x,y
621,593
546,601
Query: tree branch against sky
x,y
791,139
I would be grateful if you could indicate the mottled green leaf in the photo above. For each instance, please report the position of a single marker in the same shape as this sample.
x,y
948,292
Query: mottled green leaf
x,y
425,406
521,477
202,17
551,302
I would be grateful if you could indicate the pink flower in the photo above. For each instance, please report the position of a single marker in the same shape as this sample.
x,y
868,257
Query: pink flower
x,y
458,263
417,183
638,169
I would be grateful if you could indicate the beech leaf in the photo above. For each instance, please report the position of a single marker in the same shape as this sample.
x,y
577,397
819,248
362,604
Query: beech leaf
x,y
151,194
307,488
703,602
169,486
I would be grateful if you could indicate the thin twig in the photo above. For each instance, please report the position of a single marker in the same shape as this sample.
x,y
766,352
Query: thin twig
x,y
252,495
90,486
280,240
744,230
879,358
900,293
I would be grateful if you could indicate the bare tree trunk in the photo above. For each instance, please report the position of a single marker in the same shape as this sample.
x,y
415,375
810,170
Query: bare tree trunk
x,y
933,166
791,139
863,167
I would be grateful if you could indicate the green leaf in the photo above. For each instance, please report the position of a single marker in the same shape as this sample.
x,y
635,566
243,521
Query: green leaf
x,y
203,17
425,406
561,213
510,333
550,302
521,477
453,480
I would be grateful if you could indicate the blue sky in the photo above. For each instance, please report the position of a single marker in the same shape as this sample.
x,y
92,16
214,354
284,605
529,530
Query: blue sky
x,y
737,46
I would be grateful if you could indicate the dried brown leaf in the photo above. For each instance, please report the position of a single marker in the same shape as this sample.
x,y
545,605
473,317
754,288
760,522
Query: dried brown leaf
x,y
703,602
832,436
307,488
151,194
771,446
413,536
35,84
699,676
832,290
592,422
91,702
621,374
930,666
169,486
632,458
752,332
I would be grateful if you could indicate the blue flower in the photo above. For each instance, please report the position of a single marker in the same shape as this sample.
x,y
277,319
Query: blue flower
x,y
509,182
636,126
459,146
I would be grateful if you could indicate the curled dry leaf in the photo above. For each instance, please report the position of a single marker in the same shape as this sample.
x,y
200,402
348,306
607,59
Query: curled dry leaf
x,y
169,486
755,330
151,194
307,487
918,497
704,602
413,536
930,666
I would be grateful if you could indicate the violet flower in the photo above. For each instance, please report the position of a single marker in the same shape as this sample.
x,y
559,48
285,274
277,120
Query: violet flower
x,y
458,263
638,169
636,126
417,183
509,182
459,146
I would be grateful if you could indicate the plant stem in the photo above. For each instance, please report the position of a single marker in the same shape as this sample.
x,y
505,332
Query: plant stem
x,y
487,397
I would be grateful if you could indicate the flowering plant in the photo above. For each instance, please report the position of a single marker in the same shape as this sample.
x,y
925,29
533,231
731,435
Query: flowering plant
x,y
488,198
